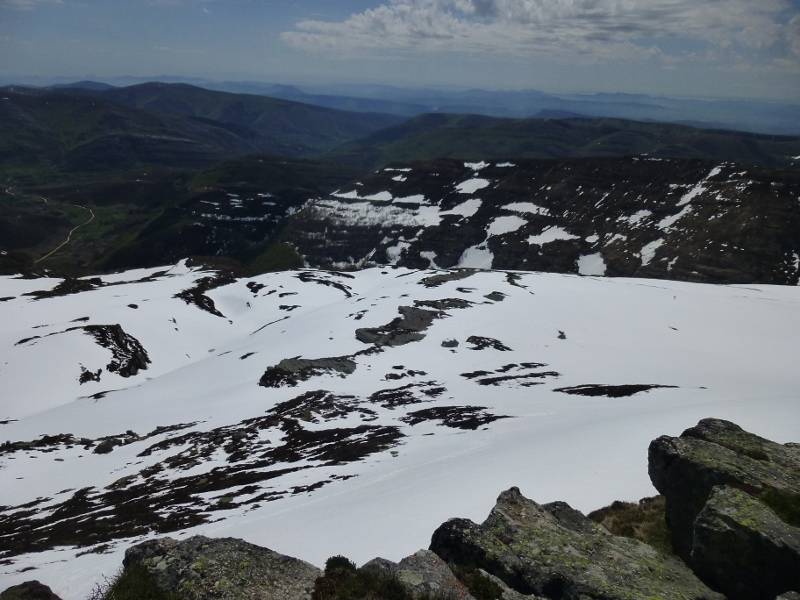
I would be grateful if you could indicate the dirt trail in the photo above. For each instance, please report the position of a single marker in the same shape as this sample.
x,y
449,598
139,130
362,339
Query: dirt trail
x,y
69,235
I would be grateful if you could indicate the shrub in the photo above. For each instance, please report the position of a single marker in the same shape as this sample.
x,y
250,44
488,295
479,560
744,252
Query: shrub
x,y
133,583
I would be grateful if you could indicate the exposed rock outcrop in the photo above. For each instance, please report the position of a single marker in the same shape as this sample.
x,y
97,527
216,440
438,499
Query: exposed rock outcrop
x,y
555,551
200,568
743,548
732,506
30,590
731,495
422,574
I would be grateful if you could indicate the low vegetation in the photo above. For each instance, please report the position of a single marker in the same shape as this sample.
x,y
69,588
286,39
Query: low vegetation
x,y
133,583
644,521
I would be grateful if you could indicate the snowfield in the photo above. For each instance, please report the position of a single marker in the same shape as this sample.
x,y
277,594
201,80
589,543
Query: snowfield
x,y
322,413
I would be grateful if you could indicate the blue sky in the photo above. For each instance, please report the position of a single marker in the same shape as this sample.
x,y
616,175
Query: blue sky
x,y
741,48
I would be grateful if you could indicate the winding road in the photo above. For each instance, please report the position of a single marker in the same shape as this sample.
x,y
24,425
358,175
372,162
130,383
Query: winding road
x,y
69,235
10,191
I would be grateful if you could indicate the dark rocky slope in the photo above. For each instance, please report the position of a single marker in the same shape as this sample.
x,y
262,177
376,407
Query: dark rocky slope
x,y
676,219
732,501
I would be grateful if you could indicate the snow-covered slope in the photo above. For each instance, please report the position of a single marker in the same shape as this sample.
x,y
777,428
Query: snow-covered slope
x,y
319,413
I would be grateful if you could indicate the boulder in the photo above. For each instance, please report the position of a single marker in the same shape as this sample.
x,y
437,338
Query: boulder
x,y
422,574
742,548
201,568
554,551
30,590
685,469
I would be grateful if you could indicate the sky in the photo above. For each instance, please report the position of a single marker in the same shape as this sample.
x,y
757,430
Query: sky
x,y
714,48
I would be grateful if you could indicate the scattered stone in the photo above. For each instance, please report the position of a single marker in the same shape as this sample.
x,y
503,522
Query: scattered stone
x,y
554,551
201,568
450,344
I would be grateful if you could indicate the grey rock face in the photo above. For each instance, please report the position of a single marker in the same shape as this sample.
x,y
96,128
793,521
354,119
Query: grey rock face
x,y
30,590
556,552
733,507
291,371
685,469
743,548
200,568
403,330
423,574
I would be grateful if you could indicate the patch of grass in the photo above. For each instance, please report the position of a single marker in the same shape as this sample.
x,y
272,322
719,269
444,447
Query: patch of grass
x,y
277,257
133,583
644,521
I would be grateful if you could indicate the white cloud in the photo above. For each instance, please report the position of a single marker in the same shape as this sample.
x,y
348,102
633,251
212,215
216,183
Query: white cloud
x,y
594,29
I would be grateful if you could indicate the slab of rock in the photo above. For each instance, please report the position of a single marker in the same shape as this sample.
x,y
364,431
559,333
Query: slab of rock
x,y
422,574
743,548
30,590
685,469
201,568
555,551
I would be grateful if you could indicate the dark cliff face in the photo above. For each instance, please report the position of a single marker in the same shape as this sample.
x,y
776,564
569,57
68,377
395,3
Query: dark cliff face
x,y
641,217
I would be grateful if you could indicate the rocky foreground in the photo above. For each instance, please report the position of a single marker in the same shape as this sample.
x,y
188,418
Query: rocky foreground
x,y
727,526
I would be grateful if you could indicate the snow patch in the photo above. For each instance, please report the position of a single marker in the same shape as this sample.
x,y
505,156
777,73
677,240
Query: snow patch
x,y
551,234
470,186
527,208
592,264
477,257
668,222
639,216
503,225
466,209
649,251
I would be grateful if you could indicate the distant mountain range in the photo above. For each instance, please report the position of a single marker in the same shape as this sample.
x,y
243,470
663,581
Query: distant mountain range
x,y
760,116
94,128
474,137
